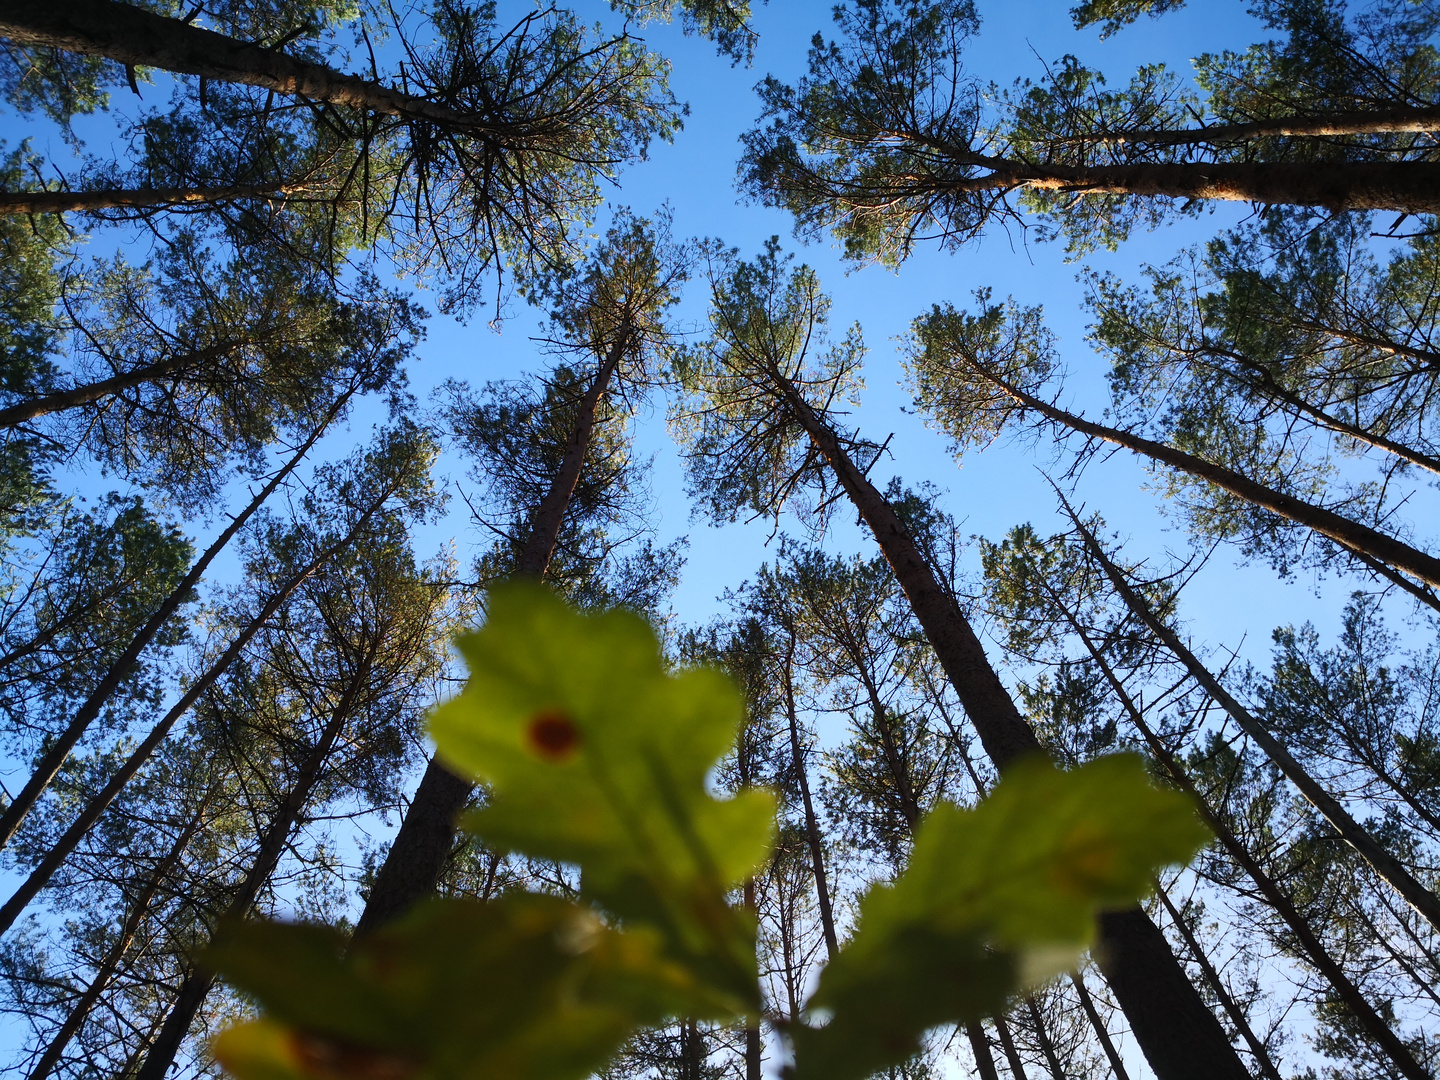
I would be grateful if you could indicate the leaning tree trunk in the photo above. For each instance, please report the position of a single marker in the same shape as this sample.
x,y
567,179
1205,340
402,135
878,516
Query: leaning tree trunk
x,y
1087,1003
980,1048
137,38
1309,942
812,823
55,756
199,980
1180,1036
76,396
61,849
1217,985
417,856
14,203
1350,535
1425,903
1408,187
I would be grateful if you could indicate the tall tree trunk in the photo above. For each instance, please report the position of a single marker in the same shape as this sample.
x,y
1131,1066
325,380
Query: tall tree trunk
x,y
812,823
137,38
199,981
139,908
1350,535
1425,903
426,837
1397,120
98,804
980,1047
60,202
1012,1056
76,396
753,1059
1257,379
1087,1003
1310,943
1057,1071
1181,1038
1217,985
54,757
1402,186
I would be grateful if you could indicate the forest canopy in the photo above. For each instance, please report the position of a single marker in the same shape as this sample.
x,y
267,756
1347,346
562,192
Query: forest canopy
x,y
690,539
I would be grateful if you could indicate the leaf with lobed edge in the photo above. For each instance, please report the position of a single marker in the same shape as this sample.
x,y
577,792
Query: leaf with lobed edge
x,y
593,753
995,898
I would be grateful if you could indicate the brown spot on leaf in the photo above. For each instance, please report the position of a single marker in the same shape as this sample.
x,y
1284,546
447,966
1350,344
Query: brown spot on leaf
x,y
553,736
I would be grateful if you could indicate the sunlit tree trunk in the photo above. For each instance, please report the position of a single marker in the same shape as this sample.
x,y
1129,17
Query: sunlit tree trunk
x,y
56,754
426,838
1350,535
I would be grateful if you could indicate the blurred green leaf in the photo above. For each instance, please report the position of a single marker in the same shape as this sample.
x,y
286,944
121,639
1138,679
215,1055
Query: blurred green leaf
x,y
526,987
995,898
594,754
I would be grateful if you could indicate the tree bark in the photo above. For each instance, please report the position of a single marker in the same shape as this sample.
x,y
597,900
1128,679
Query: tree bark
x,y
1087,1003
1181,1038
417,856
1337,124
980,1047
1425,903
199,981
1310,944
98,804
1410,187
1350,535
137,38
76,396
15,203
51,761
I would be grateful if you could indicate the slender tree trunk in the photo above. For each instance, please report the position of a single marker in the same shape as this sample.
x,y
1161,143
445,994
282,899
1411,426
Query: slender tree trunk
x,y
83,395
1117,1065
1181,1038
1012,1056
1423,984
980,1047
1309,942
417,856
1349,534
1367,122
753,1060
54,757
550,514
137,38
1057,1071
812,824
1402,186
60,202
199,981
139,908
1257,379
98,804
1425,903
1217,985
1422,593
